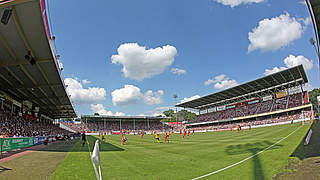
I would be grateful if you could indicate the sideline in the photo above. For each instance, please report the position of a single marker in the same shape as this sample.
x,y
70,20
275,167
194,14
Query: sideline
x,y
215,172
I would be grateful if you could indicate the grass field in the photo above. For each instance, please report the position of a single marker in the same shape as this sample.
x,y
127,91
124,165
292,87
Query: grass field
x,y
195,156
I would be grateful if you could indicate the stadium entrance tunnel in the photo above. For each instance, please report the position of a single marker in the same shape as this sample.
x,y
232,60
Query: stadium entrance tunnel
x,y
253,149
76,146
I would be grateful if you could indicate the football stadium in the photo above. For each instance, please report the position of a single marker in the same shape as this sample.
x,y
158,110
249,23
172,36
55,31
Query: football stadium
x,y
265,128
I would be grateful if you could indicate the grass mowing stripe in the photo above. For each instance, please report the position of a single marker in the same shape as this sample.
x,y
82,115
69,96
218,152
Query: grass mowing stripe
x,y
142,158
247,157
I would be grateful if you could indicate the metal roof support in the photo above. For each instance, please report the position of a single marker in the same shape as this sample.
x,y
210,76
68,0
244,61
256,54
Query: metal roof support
x,y
23,36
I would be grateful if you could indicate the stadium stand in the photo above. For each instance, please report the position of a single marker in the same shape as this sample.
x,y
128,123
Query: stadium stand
x,y
252,109
15,126
119,123
32,92
272,99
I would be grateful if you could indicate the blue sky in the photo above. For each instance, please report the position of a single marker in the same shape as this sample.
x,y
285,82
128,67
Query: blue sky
x,y
208,41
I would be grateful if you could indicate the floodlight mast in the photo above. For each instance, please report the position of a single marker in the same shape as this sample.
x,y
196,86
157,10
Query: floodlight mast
x,y
175,102
313,43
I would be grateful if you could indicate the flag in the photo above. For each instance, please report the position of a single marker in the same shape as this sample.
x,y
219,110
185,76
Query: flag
x,y
95,159
96,153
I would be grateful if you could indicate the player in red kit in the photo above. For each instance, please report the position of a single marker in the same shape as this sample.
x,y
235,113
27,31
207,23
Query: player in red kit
x,y
185,133
124,139
188,133
166,138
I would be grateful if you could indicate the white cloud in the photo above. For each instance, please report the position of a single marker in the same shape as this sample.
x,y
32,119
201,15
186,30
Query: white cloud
x,y
152,98
101,110
226,83
233,3
158,111
186,99
178,71
85,81
307,87
81,95
140,63
272,34
158,114
131,94
221,82
274,70
292,61
215,79
128,95
306,21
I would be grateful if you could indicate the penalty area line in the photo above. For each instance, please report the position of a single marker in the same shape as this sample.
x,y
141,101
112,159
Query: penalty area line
x,y
230,166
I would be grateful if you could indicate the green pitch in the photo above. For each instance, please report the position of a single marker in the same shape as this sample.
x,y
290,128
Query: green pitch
x,y
201,153
143,158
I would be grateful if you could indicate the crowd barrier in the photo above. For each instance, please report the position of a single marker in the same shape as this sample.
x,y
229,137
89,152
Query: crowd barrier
x,y
9,144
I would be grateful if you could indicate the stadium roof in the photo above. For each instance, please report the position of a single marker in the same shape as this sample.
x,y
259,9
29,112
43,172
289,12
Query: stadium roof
x,y
25,38
314,10
257,88
117,118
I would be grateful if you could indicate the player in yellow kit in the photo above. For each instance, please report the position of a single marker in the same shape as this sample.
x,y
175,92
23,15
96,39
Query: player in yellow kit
x,y
156,135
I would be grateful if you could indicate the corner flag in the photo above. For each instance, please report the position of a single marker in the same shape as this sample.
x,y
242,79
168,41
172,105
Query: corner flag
x,y
95,159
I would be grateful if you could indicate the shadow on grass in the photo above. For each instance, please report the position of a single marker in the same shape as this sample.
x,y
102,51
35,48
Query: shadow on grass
x,y
312,149
76,146
3,169
252,148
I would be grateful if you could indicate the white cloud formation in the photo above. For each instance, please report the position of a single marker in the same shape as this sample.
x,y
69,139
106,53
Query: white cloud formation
x,y
233,3
292,61
101,110
274,70
307,87
85,81
272,34
226,83
215,79
152,98
178,71
81,95
186,99
306,21
140,63
128,95
158,111
221,82
131,94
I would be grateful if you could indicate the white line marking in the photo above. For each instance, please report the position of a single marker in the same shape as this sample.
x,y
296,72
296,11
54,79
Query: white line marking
x,y
247,157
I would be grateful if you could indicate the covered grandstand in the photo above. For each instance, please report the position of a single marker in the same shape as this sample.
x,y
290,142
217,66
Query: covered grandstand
x,y
102,123
30,77
273,98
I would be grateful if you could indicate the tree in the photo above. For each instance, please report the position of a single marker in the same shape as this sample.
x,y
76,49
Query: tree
x,y
313,99
186,115
169,113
